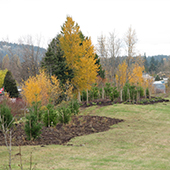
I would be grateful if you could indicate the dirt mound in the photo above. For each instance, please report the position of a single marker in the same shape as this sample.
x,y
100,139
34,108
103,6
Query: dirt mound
x,y
61,134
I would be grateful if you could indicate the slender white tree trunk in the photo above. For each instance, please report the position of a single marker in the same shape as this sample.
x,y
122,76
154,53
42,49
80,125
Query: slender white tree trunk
x,y
121,95
79,97
87,96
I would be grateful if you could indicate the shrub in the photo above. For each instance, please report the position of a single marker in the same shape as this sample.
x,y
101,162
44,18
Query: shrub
x,y
50,117
140,91
107,89
94,92
74,106
83,95
114,93
147,92
32,127
64,114
125,94
6,117
36,110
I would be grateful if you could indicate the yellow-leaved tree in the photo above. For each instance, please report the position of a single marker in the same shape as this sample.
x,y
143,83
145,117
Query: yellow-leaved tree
x,y
70,42
41,88
87,66
2,76
136,78
121,75
80,56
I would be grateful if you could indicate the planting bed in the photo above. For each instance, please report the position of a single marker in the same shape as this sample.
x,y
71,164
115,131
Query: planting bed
x,y
79,125
61,134
105,102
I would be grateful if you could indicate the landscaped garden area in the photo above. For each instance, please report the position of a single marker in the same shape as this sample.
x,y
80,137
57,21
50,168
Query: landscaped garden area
x,y
140,141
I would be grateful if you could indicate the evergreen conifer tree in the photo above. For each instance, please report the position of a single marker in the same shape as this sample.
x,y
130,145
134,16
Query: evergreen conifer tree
x,y
55,63
10,85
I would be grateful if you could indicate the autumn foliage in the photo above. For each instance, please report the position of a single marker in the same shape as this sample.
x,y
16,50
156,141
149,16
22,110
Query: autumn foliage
x,y
2,76
41,88
80,55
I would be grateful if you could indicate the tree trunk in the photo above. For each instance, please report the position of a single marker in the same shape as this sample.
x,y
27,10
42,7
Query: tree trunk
x,y
102,92
78,97
10,137
145,92
149,93
129,94
87,97
121,95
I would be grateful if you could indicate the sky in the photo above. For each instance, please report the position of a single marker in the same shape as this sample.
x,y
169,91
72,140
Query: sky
x,y
43,19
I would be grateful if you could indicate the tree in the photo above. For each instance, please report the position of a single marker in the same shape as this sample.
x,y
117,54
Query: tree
x,y
136,76
130,41
2,76
121,76
41,88
5,62
114,48
15,68
77,52
10,85
157,78
31,56
88,69
54,62
70,42
103,53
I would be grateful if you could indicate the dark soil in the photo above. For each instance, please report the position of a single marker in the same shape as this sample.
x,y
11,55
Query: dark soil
x,y
106,102
61,134
79,126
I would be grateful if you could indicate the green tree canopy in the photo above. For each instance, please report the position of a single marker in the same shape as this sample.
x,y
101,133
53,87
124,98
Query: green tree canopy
x,y
55,63
10,85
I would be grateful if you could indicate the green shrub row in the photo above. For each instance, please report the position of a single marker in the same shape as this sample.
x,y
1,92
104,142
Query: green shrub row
x,y
49,116
111,92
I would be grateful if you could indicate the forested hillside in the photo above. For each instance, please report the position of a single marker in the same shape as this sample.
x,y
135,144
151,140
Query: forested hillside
x,y
7,48
23,60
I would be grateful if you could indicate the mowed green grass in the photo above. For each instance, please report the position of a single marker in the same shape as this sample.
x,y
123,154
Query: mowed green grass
x,y
142,141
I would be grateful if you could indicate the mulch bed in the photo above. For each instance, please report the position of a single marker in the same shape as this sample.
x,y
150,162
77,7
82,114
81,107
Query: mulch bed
x,y
61,134
106,102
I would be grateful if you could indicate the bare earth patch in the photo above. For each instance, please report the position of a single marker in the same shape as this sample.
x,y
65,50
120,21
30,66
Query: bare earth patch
x,y
61,134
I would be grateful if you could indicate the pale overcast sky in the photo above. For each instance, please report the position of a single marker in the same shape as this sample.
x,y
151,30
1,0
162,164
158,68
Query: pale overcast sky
x,y
150,19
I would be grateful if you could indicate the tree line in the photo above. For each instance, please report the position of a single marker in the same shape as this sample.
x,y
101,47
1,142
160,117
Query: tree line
x,y
77,64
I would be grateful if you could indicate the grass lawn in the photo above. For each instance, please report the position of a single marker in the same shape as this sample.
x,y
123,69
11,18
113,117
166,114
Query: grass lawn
x,y
142,141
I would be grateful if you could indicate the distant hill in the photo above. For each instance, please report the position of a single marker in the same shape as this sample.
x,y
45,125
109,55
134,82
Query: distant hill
x,y
18,49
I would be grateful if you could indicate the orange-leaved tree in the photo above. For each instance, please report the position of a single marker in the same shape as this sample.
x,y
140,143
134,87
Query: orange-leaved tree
x,y
41,88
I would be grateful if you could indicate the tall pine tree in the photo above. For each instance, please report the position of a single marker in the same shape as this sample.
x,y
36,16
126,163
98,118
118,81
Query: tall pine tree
x,y
55,63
